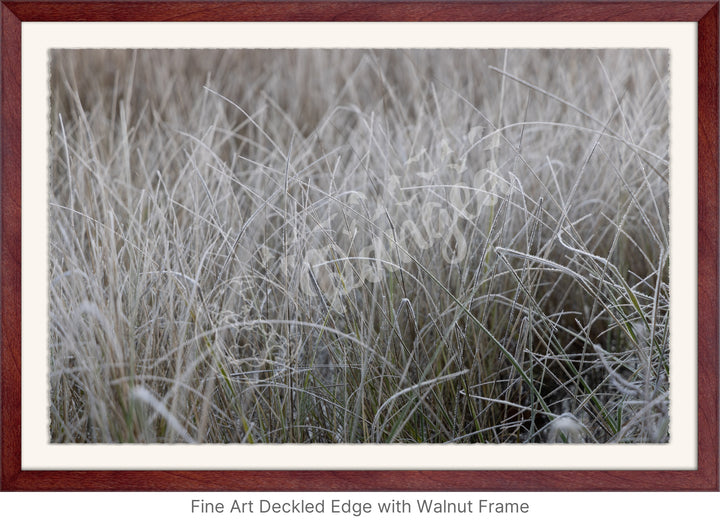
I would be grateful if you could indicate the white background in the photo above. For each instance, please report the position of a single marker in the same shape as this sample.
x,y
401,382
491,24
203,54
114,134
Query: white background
x,y
172,510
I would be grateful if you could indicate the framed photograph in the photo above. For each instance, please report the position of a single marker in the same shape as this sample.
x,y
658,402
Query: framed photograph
x,y
334,246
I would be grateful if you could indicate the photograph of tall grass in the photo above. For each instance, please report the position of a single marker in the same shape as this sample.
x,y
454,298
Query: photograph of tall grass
x,y
359,246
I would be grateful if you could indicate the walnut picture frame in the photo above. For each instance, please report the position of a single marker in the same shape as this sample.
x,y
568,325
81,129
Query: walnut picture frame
x,y
14,476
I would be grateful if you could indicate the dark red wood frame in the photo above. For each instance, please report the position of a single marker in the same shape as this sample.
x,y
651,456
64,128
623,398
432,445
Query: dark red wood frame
x,y
705,13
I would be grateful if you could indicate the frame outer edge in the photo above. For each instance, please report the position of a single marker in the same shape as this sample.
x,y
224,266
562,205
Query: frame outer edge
x,y
11,476
10,240
708,240
355,10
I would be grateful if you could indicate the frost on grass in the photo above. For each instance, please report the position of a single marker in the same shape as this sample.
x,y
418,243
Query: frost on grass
x,y
359,246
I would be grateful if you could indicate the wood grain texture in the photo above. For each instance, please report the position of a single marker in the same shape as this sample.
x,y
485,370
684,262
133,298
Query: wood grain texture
x,y
10,236
366,11
708,239
359,481
705,478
